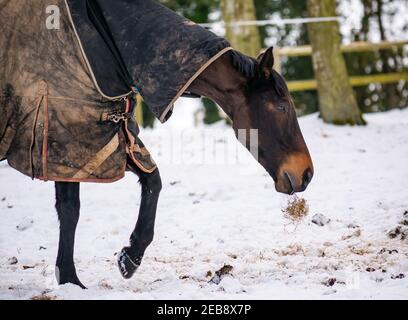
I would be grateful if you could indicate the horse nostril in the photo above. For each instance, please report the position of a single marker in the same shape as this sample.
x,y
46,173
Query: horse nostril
x,y
307,177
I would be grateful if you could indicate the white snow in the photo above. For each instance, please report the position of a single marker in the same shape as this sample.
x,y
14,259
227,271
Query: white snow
x,y
214,214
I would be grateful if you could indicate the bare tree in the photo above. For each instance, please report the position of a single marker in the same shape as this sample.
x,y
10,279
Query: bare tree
x,y
337,102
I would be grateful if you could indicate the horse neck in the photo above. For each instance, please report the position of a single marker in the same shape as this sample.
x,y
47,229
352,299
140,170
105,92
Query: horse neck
x,y
223,84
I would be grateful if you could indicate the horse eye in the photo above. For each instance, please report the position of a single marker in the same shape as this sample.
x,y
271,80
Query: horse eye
x,y
282,108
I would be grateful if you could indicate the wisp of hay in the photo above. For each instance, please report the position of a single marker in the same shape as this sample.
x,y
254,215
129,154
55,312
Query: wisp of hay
x,y
296,209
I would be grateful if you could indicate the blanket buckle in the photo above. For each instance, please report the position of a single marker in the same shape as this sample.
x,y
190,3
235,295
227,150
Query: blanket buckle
x,y
117,117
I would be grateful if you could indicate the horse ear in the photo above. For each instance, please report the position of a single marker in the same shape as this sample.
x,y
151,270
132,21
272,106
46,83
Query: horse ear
x,y
265,63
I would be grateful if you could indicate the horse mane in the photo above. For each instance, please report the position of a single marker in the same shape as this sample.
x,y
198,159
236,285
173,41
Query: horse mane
x,y
248,67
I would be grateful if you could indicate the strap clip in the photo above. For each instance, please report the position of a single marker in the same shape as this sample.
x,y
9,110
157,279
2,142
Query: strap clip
x,y
117,117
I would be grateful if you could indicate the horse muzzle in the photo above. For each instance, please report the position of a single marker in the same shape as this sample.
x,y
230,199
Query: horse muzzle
x,y
295,174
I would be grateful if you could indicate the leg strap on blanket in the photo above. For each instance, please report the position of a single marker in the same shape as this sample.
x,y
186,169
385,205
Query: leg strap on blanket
x,y
134,146
98,159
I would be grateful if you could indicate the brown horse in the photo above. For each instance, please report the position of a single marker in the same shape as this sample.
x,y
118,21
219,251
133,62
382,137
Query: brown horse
x,y
254,96
250,91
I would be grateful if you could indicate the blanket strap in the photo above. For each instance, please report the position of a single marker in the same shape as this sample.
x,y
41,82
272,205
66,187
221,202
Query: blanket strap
x,y
37,110
139,155
42,92
98,159
132,147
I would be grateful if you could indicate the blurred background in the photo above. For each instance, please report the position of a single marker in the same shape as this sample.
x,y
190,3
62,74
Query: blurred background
x,y
364,41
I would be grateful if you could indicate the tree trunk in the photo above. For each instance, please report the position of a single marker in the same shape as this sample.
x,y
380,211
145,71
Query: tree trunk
x,y
243,38
337,102
392,96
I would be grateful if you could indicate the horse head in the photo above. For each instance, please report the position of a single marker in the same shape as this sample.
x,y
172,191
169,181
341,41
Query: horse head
x,y
255,96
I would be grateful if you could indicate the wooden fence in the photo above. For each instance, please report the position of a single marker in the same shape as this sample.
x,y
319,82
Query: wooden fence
x,y
310,84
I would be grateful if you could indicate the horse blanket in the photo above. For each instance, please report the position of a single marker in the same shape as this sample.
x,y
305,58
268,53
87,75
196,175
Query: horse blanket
x,y
67,93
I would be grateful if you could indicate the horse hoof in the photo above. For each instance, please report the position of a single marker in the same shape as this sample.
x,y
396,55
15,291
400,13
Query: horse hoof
x,y
128,266
71,278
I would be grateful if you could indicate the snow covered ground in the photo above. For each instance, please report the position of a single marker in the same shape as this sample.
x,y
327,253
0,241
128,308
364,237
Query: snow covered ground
x,y
214,214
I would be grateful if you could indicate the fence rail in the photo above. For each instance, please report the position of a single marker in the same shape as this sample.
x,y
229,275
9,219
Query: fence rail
x,y
362,80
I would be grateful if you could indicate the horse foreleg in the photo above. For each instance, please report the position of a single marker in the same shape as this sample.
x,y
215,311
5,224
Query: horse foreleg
x,y
67,205
131,257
